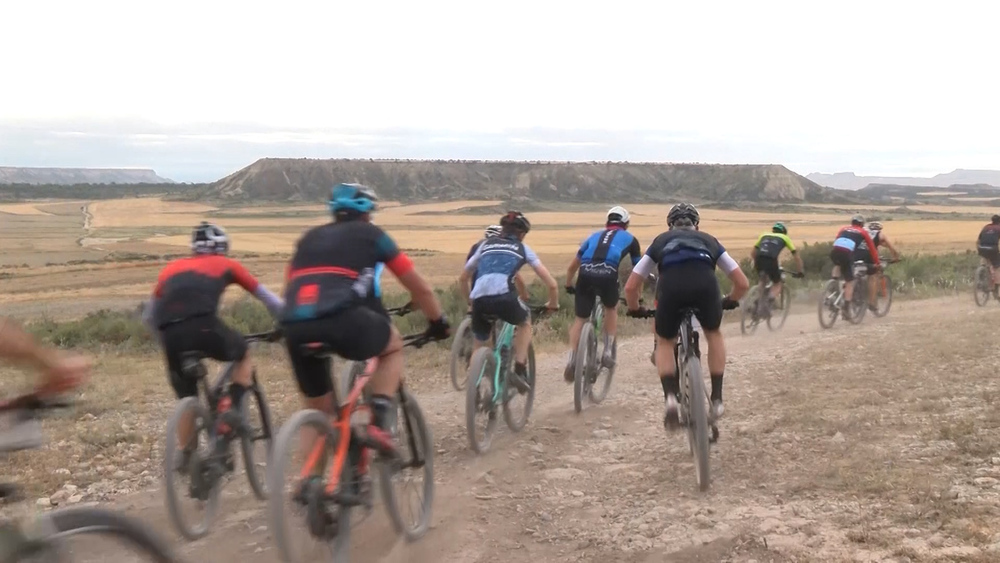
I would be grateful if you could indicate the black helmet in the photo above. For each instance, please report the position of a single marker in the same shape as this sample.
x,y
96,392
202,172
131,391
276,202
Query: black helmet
x,y
515,221
995,219
683,211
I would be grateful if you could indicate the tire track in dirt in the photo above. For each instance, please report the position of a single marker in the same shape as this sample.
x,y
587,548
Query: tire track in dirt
x,y
610,484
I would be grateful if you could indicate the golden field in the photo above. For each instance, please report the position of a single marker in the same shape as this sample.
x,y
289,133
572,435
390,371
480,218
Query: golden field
x,y
42,244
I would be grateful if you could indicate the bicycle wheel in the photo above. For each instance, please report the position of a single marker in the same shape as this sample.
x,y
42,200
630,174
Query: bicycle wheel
x,y
479,399
585,362
417,451
602,380
785,298
333,541
461,353
748,315
698,422
514,421
883,296
859,301
258,432
828,310
197,469
78,521
982,291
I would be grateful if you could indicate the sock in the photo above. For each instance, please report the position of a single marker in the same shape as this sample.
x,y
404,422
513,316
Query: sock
x,y
670,386
236,392
381,407
717,387
607,342
521,369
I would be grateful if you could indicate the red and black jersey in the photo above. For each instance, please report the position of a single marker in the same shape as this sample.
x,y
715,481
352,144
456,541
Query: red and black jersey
x,y
193,286
989,237
338,265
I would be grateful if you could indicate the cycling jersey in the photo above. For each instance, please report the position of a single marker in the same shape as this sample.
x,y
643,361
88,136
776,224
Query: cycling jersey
x,y
770,245
989,237
496,262
602,252
851,237
193,286
337,266
863,253
680,246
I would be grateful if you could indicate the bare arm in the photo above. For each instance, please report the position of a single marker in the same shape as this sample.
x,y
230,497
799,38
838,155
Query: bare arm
x,y
571,271
892,249
798,262
633,286
522,288
59,372
550,282
422,294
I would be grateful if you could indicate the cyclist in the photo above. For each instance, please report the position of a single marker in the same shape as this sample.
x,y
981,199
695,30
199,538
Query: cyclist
x,y
686,258
765,258
598,260
494,265
333,296
874,229
183,313
491,232
848,240
987,244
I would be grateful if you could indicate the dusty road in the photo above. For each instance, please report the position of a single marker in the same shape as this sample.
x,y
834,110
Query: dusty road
x,y
869,443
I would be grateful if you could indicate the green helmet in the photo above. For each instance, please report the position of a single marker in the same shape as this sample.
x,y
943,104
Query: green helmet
x,y
779,227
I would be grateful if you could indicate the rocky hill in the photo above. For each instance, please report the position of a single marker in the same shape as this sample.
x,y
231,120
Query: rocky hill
x,y
409,180
67,176
849,181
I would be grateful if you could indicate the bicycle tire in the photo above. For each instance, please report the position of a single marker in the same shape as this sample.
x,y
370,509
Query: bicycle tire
x,y
597,396
189,532
417,427
887,288
982,286
859,301
832,288
516,425
785,298
747,323
459,365
481,369
698,423
584,357
277,523
257,481
76,521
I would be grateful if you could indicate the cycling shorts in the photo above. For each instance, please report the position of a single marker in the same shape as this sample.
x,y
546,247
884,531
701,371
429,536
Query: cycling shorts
x,y
768,266
845,260
206,335
591,286
355,334
687,285
992,255
507,307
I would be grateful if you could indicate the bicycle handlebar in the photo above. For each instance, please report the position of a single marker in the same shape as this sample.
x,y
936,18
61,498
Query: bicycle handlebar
x,y
33,402
268,336
418,340
402,310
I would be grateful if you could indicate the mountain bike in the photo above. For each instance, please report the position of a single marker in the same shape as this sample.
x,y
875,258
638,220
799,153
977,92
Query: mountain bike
x,y
461,352
883,294
984,286
831,301
328,492
589,366
488,385
209,464
43,537
760,308
695,398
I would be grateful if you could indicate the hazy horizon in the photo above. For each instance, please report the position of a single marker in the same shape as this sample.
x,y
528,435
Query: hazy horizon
x,y
203,89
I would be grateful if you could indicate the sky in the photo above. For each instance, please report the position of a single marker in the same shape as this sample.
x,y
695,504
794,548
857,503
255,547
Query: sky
x,y
197,90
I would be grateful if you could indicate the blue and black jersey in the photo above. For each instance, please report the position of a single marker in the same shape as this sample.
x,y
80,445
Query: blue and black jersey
x,y
603,251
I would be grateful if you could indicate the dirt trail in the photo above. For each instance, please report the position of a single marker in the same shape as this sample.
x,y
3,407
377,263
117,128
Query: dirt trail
x,y
868,443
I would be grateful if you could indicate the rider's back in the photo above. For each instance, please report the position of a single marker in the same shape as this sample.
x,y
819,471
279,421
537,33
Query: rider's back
x,y
193,286
498,260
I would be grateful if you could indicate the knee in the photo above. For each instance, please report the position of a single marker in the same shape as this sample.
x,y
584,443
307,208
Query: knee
x,y
395,343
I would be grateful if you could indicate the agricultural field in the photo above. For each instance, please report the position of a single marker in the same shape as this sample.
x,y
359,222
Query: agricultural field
x,y
64,258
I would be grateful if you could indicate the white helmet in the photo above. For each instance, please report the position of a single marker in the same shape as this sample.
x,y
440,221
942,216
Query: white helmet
x,y
618,214
493,231
209,239
874,226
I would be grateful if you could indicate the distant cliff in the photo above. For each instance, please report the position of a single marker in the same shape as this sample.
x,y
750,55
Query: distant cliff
x,y
66,176
414,180
849,181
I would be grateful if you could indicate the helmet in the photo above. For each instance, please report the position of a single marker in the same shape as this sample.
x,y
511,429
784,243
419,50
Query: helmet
x,y
618,214
683,211
209,239
874,226
858,219
493,231
353,197
515,220
779,227
995,219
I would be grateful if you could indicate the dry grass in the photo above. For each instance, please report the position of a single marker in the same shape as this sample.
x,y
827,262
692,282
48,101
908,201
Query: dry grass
x,y
22,209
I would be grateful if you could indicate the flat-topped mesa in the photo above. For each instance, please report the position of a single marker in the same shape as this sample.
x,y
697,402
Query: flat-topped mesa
x,y
70,176
276,179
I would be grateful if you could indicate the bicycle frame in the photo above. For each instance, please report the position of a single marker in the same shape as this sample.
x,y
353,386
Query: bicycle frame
x,y
504,338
